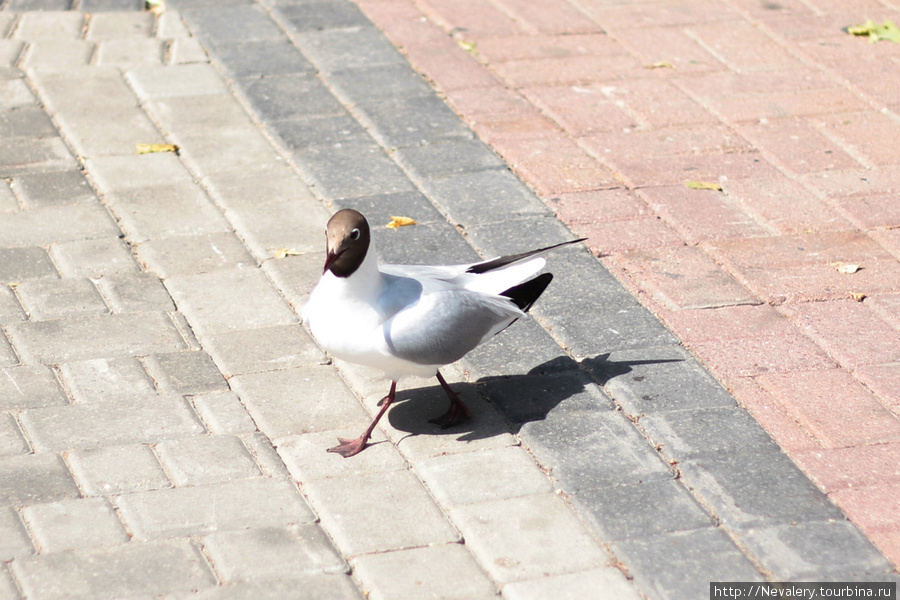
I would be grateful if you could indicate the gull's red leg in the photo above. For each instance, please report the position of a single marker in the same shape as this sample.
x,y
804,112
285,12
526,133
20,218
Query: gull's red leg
x,y
458,409
348,448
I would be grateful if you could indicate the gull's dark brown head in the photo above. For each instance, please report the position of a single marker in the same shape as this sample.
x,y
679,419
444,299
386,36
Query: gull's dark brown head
x,y
346,242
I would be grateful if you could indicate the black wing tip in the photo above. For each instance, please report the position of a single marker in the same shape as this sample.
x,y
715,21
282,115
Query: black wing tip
x,y
526,294
496,263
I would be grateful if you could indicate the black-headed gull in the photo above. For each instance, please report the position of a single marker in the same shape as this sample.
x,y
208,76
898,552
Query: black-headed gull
x,y
410,319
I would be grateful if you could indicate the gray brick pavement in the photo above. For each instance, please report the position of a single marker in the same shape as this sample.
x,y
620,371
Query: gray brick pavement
x,y
126,441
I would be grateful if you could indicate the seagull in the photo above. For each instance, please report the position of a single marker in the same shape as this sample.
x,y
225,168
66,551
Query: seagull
x,y
411,320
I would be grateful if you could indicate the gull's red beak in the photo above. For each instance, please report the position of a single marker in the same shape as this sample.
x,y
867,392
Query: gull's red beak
x,y
329,260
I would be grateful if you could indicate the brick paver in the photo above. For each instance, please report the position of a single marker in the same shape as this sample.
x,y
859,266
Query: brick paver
x,y
164,414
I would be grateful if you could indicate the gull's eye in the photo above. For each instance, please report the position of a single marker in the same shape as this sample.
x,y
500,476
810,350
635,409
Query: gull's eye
x,y
354,235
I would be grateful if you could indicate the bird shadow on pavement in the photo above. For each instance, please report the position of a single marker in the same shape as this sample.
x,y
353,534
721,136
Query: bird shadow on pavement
x,y
503,404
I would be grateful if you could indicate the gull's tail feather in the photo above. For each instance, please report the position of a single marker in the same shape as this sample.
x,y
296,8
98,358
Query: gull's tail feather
x,y
526,294
497,263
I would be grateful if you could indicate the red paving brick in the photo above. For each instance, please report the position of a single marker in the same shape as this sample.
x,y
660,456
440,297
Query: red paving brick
x,y
797,121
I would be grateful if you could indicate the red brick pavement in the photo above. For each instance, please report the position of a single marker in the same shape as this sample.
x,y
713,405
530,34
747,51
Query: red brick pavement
x,y
607,107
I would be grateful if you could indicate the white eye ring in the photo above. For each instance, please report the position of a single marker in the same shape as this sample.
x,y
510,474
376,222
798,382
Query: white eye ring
x,y
354,234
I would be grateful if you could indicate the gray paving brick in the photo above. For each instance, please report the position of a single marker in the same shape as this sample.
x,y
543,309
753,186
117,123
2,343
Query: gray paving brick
x,y
352,512
199,510
129,53
196,114
223,413
143,292
306,460
264,349
19,264
106,380
296,276
679,565
118,173
49,23
225,149
30,386
228,25
185,373
114,131
523,538
756,489
26,122
292,224
378,84
273,553
189,255
74,524
10,51
593,449
10,309
316,16
117,470
652,380
8,357
186,50
11,440
8,588
300,400
49,189
265,455
101,88
16,94
354,169
34,155
148,420
117,571
112,25
607,583
811,550
110,5
448,157
524,348
243,189
269,58
33,479
640,510
54,55
225,300
355,48
411,574
307,132
43,226
520,234
534,397
275,97
297,587
165,210
151,83
58,298
462,478
200,460
8,200
414,121
14,540
100,336
39,4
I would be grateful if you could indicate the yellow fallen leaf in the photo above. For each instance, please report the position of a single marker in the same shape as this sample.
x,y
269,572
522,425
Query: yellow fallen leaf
x,y
886,31
470,47
663,64
703,185
152,148
848,268
284,252
157,7
858,296
400,222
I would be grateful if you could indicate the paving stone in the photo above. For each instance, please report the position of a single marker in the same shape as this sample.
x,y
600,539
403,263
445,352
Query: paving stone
x,y
225,149
308,132
129,53
808,551
148,420
223,301
199,510
45,299
8,200
18,264
265,455
54,24
8,589
316,16
201,460
244,189
54,55
8,357
119,173
608,583
186,50
374,84
111,132
34,155
291,224
106,380
275,97
410,574
10,51
39,4
354,48
254,59
462,478
81,338
26,122
53,188
101,88
165,210
43,226
449,157
152,83
264,349
306,459
641,510
16,94
34,479
351,170
297,587
223,413
189,255
142,292
296,401
11,440
679,565
228,25
110,5
30,386
74,525
118,571
117,469
352,511
414,121
14,540
296,277
523,538
185,373
120,25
